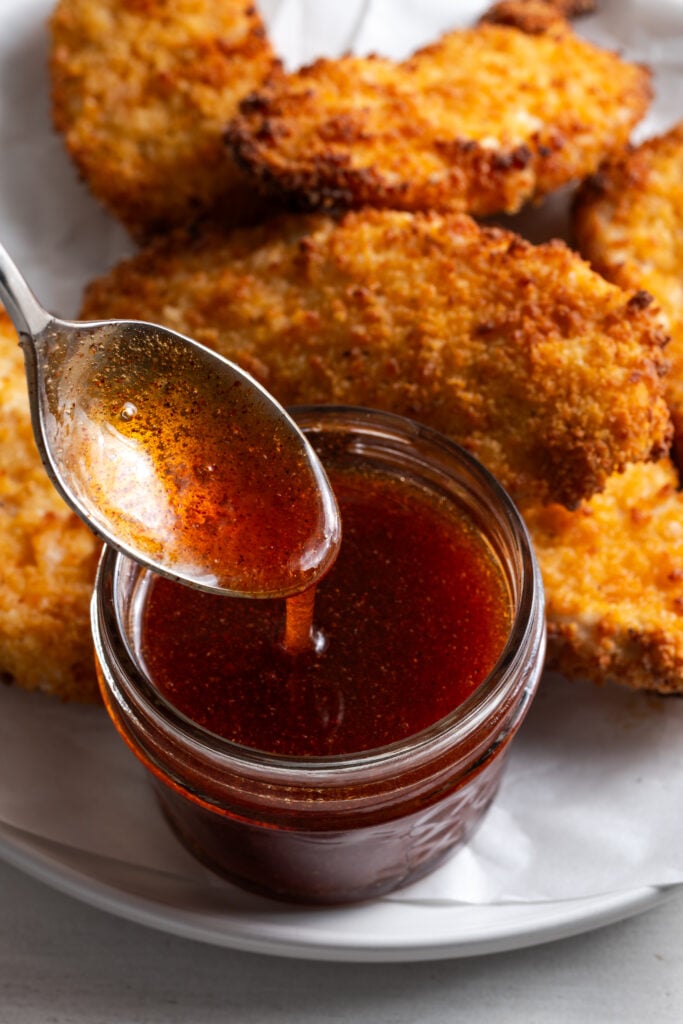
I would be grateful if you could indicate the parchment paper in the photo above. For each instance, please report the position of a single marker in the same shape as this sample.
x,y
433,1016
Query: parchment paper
x,y
592,801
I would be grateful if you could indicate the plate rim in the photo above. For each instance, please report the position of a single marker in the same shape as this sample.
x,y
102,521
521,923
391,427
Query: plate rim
x,y
555,919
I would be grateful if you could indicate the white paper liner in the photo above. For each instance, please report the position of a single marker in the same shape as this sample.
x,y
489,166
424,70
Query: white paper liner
x,y
591,802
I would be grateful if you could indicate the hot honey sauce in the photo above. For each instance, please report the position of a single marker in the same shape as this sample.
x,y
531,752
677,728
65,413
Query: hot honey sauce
x,y
201,475
335,744
409,620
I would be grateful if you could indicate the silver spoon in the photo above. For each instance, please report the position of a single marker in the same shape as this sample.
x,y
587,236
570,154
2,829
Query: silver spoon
x,y
172,454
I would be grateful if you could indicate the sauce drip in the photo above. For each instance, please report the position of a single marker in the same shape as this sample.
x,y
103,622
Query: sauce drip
x,y
299,633
409,620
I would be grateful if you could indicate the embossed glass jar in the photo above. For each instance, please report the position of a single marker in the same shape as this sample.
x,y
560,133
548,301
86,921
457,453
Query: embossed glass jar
x,y
345,827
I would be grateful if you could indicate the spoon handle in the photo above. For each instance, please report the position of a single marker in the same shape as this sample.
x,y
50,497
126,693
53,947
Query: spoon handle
x,y
25,312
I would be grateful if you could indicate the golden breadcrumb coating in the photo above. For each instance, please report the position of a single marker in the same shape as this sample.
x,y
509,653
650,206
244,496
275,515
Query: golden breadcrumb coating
x,y
47,556
613,573
482,120
142,89
628,222
546,372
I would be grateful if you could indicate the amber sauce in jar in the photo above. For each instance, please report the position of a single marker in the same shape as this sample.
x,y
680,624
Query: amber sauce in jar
x,y
409,620
339,743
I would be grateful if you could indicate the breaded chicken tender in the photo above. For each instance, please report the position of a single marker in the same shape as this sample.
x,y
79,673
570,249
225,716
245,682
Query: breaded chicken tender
x,y
542,369
47,556
613,573
141,91
481,121
628,222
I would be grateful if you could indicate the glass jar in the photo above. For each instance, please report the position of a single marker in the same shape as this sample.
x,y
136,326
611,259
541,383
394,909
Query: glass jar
x,y
341,828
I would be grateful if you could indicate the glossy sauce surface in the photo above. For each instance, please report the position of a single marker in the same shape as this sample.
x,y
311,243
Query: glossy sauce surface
x,y
192,466
409,620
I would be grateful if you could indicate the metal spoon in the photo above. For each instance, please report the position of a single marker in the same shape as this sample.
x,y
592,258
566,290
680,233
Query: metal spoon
x,y
172,454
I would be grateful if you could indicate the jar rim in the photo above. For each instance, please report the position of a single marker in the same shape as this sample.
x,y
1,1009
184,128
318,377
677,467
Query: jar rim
x,y
527,628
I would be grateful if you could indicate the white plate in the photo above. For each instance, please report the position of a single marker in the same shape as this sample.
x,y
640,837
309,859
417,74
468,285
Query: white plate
x,y
385,931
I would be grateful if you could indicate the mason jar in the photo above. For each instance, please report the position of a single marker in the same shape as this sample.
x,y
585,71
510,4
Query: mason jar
x,y
343,827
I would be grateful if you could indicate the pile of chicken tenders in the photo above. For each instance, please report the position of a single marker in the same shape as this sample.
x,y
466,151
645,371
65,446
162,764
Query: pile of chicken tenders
x,y
330,229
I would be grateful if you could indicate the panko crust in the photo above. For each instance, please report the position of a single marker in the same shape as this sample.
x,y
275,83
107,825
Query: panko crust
x,y
480,121
141,91
613,573
543,370
628,221
47,556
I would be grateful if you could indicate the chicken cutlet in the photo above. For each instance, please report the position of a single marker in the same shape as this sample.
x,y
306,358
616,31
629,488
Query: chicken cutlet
x,y
546,372
142,89
628,221
613,574
480,121
47,556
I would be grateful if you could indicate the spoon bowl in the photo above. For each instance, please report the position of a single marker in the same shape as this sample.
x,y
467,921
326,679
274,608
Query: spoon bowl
x,y
172,454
